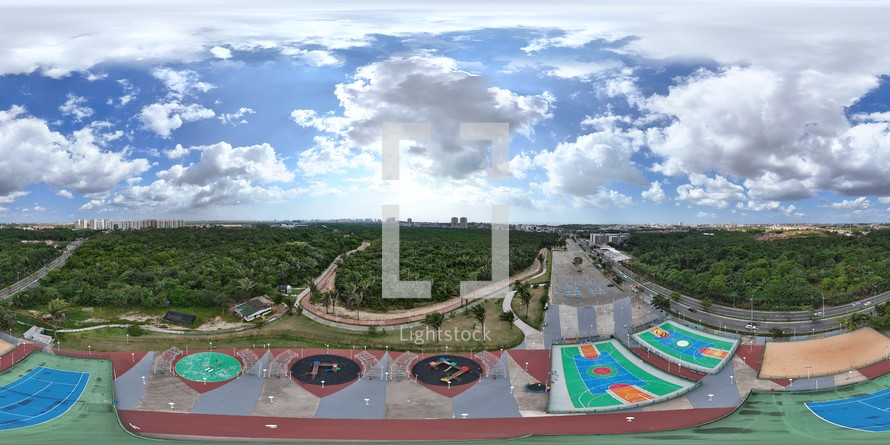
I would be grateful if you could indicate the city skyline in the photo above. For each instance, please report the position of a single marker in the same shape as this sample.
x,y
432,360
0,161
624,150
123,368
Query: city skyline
x,y
735,113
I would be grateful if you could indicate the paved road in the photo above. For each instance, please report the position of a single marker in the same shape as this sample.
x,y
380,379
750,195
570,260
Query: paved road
x,y
799,322
31,280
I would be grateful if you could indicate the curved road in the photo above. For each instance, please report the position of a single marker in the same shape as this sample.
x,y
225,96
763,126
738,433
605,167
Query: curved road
x,y
31,280
737,319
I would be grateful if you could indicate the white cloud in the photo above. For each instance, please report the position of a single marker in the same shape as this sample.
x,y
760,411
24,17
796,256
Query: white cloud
x,y
705,215
655,193
520,164
583,167
163,118
181,83
10,197
65,194
237,117
713,192
76,106
315,57
34,154
858,204
423,87
177,152
602,198
224,175
221,52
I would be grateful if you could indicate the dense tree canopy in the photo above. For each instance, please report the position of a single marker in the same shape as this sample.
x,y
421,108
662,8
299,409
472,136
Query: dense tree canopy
x,y
445,256
191,266
18,259
779,270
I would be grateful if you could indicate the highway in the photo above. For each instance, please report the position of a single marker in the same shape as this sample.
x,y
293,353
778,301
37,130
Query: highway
x,y
737,319
32,279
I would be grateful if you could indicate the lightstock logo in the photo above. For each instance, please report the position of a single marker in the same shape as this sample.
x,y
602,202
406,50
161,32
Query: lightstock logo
x,y
496,133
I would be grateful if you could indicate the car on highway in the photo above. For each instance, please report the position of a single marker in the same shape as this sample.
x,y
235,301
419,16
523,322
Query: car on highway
x,y
692,309
817,314
750,326
868,303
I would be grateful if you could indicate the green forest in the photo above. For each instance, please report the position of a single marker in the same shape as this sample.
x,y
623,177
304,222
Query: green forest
x,y
213,267
444,256
781,271
191,266
18,259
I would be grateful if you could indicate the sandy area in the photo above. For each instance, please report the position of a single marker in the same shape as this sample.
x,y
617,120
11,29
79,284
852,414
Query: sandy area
x,y
5,347
825,356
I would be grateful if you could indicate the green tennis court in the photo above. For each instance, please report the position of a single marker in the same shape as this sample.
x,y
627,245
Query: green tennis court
x,y
208,366
691,348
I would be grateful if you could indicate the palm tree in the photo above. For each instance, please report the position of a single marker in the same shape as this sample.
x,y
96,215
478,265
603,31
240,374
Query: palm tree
x,y
435,320
478,313
661,302
245,284
56,308
526,298
508,316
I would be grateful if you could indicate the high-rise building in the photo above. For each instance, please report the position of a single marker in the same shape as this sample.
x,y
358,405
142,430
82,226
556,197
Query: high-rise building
x,y
454,222
463,222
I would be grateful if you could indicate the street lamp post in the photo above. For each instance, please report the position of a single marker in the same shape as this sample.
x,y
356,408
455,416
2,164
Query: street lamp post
x,y
752,310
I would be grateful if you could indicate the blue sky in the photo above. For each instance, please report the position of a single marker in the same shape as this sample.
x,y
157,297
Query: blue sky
x,y
701,112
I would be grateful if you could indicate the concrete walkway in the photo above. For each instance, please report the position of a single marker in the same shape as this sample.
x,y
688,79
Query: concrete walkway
x,y
130,386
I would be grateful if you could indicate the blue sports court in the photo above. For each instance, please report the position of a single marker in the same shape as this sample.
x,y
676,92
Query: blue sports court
x,y
39,396
870,412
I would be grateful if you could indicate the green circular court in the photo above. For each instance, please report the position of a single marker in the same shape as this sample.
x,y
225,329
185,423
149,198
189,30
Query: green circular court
x,y
208,367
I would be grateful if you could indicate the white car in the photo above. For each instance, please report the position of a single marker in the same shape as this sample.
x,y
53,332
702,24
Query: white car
x,y
751,326
868,303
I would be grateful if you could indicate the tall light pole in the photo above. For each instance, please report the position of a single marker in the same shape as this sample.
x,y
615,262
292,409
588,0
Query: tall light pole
x,y
823,305
752,310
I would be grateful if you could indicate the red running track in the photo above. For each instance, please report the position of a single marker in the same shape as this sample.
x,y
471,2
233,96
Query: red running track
x,y
168,425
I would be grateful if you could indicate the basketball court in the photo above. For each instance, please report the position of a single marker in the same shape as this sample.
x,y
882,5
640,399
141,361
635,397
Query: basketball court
x,y
605,376
688,347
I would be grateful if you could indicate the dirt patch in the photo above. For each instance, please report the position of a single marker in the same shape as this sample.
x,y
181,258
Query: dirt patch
x,y
137,317
218,323
826,356
5,347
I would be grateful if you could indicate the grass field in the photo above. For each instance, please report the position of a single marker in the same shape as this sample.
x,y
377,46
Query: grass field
x,y
300,331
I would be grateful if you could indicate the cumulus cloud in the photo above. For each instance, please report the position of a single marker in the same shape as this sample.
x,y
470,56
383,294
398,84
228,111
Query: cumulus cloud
x,y
716,192
221,52
236,118
34,154
181,83
706,215
423,87
65,194
582,168
163,118
224,175
76,106
655,193
314,57
860,203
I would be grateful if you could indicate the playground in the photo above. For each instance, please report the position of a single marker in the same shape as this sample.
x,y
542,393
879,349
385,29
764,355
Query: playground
x,y
605,376
447,370
209,367
328,368
693,349
824,356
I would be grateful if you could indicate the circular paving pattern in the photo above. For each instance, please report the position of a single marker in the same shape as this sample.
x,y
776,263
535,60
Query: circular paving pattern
x,y
682,343
208,366
433,369
332,369
602,371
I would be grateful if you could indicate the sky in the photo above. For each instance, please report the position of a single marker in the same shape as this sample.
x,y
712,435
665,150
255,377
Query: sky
x,y
615,112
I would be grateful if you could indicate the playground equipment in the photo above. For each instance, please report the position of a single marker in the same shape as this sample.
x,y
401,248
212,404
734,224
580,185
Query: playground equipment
x,y
401,367
370,365
279,366
456,375
250,361
537,387
491,365
164,361
449,365
316,366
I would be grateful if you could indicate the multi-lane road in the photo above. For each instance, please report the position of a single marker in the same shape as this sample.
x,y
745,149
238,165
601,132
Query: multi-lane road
x,y
738,319
31,280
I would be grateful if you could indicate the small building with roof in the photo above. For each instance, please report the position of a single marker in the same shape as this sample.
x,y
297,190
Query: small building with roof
x,y
252,309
